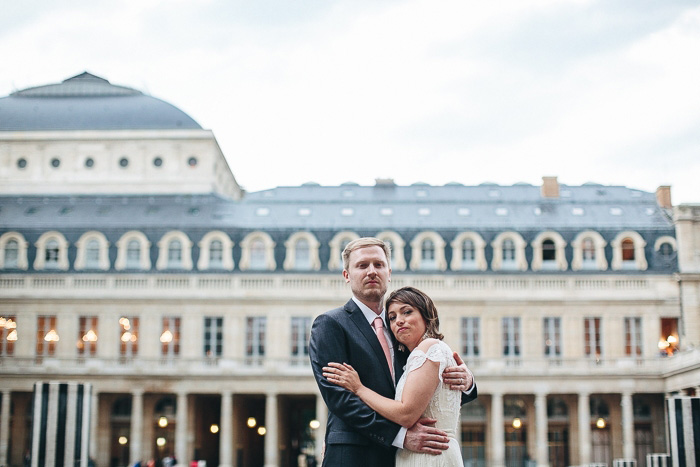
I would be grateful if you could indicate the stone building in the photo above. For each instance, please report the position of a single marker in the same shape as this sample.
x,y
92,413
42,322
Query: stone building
x,y
132,260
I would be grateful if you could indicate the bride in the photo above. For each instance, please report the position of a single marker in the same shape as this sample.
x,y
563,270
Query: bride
x,y
420,392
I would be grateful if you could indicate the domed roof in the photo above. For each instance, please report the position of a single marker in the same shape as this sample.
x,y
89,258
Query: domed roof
x,y
88,102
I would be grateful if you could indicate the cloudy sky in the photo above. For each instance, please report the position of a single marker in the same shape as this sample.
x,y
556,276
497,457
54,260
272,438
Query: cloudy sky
x,y
465,91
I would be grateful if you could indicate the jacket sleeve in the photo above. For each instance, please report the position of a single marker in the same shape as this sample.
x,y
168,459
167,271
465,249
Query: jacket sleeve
x,y
329,343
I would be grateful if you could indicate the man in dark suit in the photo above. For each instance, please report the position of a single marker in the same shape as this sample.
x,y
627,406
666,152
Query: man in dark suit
x,y
355,434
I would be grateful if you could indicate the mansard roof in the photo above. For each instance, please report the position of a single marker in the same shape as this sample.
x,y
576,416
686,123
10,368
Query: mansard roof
x,y
88,102
353,207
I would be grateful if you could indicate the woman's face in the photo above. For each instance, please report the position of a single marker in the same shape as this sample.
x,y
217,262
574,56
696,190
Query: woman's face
x,y
406,323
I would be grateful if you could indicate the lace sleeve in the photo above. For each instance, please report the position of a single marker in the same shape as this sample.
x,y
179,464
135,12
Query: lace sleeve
x,y
436,353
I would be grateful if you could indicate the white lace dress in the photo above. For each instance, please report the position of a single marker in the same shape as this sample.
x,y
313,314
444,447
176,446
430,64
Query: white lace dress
x,y
444,407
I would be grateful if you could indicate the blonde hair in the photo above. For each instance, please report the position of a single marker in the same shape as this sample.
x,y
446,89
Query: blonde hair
x,y
364,242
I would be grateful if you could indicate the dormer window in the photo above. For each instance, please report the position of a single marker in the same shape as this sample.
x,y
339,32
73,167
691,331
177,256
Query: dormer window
x,y
51,254
257,255
133,254
428,254
174,254
627,249
216,254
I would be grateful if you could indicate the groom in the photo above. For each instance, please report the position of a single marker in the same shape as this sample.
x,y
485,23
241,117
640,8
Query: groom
x,y
355,434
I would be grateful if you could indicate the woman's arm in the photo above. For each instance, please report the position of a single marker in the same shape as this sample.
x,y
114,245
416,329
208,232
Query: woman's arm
x,y
419,389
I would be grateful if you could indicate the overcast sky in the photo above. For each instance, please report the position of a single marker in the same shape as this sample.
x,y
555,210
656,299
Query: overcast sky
x,y
428,91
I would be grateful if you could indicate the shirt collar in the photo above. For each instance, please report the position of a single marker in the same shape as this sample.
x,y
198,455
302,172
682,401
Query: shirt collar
x,y
370,315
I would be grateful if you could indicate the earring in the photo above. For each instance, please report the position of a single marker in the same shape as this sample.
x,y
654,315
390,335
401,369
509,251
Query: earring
x,y
402,348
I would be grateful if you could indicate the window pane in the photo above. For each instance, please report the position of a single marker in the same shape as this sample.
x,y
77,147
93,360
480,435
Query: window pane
x,y
133,254
11,254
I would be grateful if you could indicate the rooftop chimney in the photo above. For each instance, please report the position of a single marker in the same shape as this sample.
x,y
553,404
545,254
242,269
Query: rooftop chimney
x,y
384,182
663,196
550,187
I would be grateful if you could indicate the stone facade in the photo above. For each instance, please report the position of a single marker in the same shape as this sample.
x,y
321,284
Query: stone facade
x,y
186,303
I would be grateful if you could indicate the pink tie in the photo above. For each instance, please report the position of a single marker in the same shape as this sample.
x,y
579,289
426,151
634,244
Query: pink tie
x,y
378,325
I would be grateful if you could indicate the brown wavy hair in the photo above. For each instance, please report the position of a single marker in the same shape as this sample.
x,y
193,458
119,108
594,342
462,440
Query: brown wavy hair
x,y
421,302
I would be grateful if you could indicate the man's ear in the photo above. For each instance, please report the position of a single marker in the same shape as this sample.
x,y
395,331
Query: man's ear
x,y
346,275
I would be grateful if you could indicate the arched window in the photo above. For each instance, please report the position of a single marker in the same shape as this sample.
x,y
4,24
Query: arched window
x,y
257,255
627,246
427,254
628,251
13,251
468,252
216,254
549,252
301,252
133,254
92,254
666,250
11,254
508,252
174,254
588,249
302,255
51,254
589,252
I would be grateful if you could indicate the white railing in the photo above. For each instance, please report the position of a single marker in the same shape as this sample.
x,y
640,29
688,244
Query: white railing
x,y
501,367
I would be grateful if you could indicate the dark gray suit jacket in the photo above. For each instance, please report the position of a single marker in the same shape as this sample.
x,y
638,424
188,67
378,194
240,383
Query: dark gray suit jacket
x,y
355,434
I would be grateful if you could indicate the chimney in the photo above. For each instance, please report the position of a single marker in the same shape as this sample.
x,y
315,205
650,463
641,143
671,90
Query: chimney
x,y
550,187
384,182
663,196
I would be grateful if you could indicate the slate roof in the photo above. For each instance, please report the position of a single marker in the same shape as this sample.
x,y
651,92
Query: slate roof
x,y
353,207
88,102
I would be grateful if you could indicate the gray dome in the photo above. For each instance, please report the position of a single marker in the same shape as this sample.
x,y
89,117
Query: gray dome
x,y
88,102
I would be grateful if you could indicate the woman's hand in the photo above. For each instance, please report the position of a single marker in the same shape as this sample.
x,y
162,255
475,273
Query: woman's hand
x,y
343,375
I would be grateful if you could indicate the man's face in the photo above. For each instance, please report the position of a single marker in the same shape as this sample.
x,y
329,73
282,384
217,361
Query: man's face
x,y
368,274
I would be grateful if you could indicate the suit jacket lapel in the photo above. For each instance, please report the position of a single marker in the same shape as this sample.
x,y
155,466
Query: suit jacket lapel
x,y
363,326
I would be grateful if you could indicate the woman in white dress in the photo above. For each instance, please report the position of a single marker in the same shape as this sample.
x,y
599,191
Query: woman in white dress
x,y
420,393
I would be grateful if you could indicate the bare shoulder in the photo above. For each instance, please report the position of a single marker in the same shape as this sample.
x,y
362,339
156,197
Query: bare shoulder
x,y
428,343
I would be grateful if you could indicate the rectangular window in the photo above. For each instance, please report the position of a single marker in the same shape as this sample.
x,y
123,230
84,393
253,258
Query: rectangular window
x,y
471,337
170,337
552,337
511,337
669,339
592,337
255,340
128,336
633,337
46,336
8,335
213,336
87,335
301,329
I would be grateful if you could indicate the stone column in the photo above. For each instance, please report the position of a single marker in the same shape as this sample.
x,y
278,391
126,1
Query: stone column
x,y
181,430
226,431
320,436
627,426
271,441
94,423
136,434
498,446
5,426
542,453
584,428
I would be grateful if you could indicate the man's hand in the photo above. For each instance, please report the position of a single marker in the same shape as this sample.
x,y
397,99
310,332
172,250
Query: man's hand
x,y
424,437
458,377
